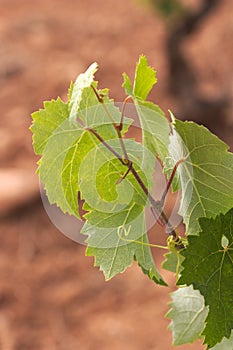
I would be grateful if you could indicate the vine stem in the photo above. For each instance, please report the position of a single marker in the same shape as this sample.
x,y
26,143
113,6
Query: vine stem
x,y
162,200
127,99
155,205
157,209
118,128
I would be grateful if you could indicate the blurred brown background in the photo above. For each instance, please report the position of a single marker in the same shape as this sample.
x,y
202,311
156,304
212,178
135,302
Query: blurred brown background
x,y
51,297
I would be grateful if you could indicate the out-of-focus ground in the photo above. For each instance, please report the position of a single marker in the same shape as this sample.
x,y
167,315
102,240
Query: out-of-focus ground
x,y
51,297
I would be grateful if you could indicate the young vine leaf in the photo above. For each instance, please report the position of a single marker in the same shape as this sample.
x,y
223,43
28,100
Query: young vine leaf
x,y
45,122
154,124
208,266
113,255
144,80
188,313
206,174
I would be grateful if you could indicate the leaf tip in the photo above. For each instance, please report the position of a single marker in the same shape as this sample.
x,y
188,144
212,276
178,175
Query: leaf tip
x,y
173,119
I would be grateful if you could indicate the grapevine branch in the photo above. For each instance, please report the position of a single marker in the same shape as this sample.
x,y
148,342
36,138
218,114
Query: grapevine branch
x,y
157,209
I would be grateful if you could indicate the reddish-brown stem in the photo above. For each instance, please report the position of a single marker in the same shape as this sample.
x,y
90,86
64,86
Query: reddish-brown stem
x,y
116,127
124,176
162,200
128,98
116,154
99,98
157,216
122,145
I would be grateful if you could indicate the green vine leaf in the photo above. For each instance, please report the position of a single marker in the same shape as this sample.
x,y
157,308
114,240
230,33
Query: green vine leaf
x,y
64,145
46,121
144,80
155,128
145,260
51,167
209,267
154,124
127,85
205,176
187,315
112,253
69,167
117,206
54,137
